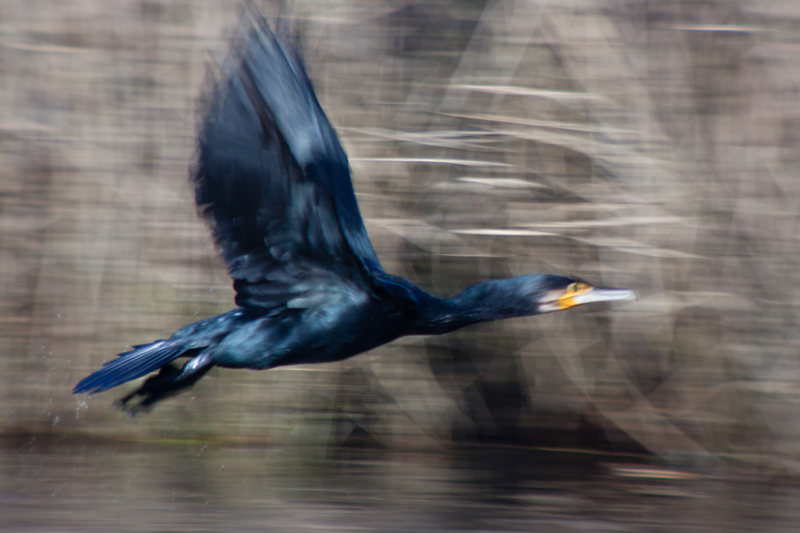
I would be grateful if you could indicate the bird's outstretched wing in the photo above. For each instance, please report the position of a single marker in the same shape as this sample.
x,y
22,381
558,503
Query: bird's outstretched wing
x,y
273,181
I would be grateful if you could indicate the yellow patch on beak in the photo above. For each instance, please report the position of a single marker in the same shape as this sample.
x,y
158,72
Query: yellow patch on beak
x,y
572,296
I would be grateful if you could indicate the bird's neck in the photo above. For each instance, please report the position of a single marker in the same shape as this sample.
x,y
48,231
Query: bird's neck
x,y
489,300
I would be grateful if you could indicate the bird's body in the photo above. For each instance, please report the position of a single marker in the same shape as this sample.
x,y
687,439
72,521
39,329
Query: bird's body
x,y
273,182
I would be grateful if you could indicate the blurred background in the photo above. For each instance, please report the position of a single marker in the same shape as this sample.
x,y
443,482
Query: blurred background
x,y
649,145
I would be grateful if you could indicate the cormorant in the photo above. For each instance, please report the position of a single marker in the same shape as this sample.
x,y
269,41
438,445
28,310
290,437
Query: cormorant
x,y
273,182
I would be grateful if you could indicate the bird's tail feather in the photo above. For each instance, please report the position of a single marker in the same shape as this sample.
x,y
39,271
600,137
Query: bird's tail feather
x,y
142,360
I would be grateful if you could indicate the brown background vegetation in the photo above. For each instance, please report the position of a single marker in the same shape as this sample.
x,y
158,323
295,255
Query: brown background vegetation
x,y
651,145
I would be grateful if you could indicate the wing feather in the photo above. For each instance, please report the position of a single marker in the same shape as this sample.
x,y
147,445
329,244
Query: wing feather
x,y
273,181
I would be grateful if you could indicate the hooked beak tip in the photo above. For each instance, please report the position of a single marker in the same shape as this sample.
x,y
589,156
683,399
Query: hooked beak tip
x,y
632,296
617,294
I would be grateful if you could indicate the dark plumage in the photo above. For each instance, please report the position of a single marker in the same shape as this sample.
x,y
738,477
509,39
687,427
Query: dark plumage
x,y
273,182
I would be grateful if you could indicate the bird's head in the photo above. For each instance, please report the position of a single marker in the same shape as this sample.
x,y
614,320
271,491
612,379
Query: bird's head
x,y
526,295
556,293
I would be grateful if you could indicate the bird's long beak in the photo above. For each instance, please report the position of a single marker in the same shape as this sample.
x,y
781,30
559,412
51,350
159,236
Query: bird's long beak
x,y
594,294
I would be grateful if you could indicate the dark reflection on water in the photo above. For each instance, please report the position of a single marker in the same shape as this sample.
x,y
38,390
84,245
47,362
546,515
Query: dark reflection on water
x,y
86,486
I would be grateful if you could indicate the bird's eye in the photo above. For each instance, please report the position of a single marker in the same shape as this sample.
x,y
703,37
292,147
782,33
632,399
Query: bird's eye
x,y
574,287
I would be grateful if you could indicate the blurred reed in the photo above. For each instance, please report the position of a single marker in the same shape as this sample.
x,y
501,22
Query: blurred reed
x,y
650,145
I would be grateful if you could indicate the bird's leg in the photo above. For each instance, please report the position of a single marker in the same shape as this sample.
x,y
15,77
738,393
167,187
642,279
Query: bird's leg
x,y
168,382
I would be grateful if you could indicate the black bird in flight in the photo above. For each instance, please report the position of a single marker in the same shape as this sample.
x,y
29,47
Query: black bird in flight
x,y
273,183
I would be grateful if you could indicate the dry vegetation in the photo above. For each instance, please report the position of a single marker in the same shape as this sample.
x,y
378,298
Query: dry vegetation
x,y
652,145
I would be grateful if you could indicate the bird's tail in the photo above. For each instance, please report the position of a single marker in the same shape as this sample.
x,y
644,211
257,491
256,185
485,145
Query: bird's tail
x,y
142,360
